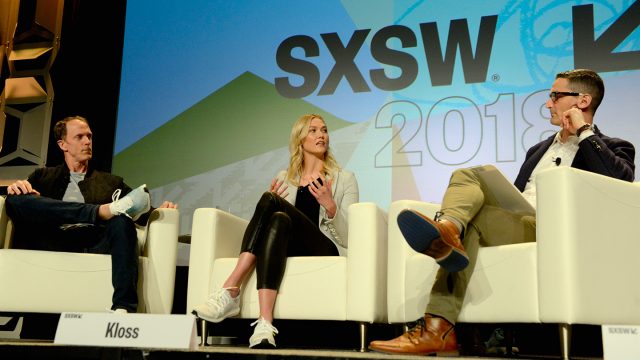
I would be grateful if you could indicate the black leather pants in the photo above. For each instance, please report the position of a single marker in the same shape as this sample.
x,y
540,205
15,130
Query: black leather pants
x,y
278,230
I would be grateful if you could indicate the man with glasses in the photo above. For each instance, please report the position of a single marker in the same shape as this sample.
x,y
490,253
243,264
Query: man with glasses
x,y
453,237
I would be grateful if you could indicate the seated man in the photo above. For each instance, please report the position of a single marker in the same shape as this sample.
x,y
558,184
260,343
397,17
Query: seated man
x,y
72,207
469,219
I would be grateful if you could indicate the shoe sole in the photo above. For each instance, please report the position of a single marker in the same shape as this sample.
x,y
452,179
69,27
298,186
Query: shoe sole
x,y
212,319
435,353
455,261
263,344
417,232
420,234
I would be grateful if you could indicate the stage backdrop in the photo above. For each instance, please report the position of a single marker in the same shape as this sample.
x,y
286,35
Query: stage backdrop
x,y
410,90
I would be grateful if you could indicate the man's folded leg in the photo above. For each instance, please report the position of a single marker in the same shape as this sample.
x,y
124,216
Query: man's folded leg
x,y
437,238
34,210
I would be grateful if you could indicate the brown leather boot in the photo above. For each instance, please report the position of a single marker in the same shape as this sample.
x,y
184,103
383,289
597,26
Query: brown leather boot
x,y
439,239
431,336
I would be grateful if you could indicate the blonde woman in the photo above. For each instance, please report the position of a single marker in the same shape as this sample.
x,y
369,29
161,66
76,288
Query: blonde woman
x,y
303,214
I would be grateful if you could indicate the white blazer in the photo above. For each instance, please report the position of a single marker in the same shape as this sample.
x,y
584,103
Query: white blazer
x,y
344,190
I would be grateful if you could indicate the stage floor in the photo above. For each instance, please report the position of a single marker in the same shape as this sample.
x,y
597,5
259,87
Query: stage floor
x,y
23,349
304,340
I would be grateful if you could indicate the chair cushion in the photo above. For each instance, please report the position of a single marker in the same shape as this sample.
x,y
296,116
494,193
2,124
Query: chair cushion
x,y
323,279
504,286
52,277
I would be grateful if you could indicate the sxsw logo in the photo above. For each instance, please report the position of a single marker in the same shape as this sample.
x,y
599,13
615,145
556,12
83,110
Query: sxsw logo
x,y
440,68
597,54
623,330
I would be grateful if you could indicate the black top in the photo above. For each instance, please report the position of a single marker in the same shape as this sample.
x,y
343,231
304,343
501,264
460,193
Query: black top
x,y
307,204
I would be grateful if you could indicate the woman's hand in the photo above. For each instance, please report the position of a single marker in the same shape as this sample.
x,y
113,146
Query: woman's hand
x,y
279,188
322,193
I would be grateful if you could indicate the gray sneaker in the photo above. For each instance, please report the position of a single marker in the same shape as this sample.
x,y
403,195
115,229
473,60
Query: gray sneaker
x,y
134,204
263,335
497,344
219,306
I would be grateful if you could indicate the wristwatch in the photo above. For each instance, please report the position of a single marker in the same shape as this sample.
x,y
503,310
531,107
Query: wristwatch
x,y
583,128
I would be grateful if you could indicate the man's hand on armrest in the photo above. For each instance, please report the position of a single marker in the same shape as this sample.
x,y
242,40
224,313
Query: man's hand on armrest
x,y
21,187
168,205
144,218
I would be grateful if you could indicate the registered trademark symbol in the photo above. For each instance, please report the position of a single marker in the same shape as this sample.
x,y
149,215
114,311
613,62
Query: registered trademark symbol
x,y
495,77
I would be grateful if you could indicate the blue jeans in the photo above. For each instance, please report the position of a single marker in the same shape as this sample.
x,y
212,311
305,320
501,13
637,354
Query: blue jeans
x,y
37,223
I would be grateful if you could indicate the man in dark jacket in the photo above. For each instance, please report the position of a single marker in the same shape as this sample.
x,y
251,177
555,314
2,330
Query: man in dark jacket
x,y
468,218
72,207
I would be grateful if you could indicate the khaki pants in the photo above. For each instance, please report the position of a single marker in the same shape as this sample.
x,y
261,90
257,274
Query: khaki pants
x,y
485,224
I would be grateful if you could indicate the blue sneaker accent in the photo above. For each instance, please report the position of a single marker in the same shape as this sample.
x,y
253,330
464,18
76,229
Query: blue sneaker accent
x,y
134,204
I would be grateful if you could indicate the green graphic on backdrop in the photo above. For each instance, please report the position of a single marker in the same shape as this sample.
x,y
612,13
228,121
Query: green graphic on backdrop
x,y
244,118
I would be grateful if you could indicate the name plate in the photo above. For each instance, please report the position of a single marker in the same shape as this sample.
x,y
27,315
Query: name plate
x,y
127,330
620,342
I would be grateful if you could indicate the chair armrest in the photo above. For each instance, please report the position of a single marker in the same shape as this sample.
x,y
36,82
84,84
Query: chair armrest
x,y
4,221
161,251
587,248
405,304
367,263
214,234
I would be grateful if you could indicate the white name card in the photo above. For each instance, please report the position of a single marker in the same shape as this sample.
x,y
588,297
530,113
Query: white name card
x,y
127,330
620,342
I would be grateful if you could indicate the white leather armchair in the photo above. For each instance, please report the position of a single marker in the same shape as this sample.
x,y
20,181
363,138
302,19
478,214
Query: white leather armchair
x,y
581,270
588,248
54,282
314,288
503,287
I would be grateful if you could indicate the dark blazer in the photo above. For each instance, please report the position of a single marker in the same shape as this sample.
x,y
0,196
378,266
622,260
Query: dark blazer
x,y
96,188
598,153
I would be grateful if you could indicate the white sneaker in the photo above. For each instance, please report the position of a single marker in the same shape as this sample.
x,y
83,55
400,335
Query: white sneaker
x,y
263,335
134,204
219,306
118,311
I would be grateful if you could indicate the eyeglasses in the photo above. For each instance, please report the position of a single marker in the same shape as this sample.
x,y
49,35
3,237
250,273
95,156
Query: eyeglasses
x,y
554,94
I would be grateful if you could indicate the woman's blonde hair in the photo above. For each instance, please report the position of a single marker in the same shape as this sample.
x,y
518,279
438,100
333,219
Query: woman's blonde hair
x,y
299,132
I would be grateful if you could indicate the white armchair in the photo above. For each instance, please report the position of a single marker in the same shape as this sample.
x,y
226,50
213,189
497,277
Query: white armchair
x,y
314,288
588,250
582,269
503,287
53,282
